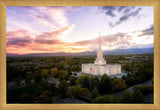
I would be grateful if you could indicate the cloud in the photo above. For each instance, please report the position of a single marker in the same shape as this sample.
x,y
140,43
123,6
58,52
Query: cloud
x,y
19,41
18,33
122,13
148,31
52,37
118,40
120,8
126,17
54,15
109,10
45,41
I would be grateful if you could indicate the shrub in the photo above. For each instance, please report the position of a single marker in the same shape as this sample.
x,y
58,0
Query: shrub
x,y
127,97
105,99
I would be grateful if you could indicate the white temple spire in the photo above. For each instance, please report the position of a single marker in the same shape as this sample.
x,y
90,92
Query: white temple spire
x,y
99,41
100,60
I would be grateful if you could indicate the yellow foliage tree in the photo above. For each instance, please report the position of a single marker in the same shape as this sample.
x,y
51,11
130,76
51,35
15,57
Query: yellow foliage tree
x,y
119,84
44,73
54,71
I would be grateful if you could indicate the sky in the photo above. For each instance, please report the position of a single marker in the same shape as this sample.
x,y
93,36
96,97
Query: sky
x,y
75,29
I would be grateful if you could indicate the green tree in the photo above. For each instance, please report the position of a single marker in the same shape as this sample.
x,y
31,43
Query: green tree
x,y
18,80
105,99
63,87
95,93
60,67
53,88
137,96
37,77
127,97
106,85
73,81
44,73
54,71
81,78
86,83
66,77
95,83
29,77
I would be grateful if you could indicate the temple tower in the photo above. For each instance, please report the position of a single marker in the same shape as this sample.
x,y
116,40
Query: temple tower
x,y
100,59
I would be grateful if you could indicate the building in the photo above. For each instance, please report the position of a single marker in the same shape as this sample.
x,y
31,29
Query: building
x,y
100,67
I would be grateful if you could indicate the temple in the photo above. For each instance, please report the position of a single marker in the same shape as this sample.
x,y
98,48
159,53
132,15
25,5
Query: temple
x,y
100,67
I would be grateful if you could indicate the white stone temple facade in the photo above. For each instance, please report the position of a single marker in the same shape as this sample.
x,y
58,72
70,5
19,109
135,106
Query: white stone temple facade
x,y
100,67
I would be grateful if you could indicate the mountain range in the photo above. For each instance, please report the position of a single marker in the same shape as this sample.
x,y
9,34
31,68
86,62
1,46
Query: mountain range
x,y
108,52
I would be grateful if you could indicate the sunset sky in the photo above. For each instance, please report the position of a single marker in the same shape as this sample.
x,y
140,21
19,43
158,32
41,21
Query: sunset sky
x,y
76,29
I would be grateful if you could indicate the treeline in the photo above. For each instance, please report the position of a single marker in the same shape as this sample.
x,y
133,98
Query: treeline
x,y
88,88
19,66
139,72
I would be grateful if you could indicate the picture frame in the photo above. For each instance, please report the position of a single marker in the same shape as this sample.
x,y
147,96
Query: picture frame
x,y
5,3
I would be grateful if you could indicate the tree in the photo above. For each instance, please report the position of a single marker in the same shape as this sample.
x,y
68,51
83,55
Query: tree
x,y
60,67
106,85
61,73
18,80
52,87
78,92
54,71
105,99
86,83
95,93
45,97
127,97
95,83
29,77
25,98
119,84
81,78
73,81
44,73
37,77
63,87
144,89
66,77
137,96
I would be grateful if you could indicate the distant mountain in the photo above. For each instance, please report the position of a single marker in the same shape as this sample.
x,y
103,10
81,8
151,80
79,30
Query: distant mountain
x,y
110,52
130,51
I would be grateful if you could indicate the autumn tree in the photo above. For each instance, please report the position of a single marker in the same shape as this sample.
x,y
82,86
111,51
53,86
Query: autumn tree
x,y
78,92
119,84
54,71
61,73
45,97
44,73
